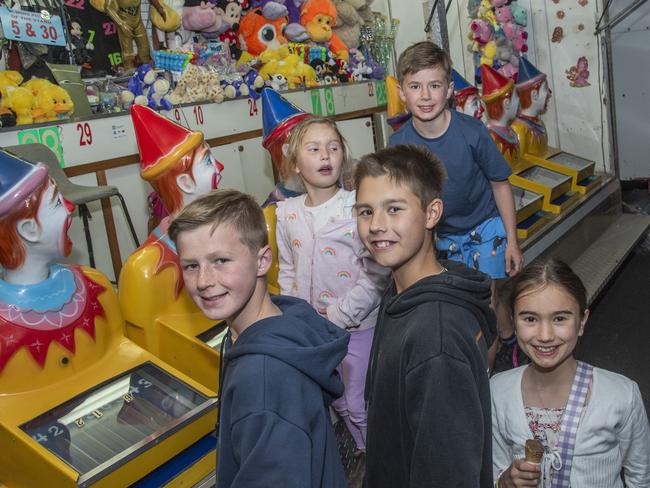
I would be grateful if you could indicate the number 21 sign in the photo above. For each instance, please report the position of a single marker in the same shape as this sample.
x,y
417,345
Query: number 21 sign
x,y
41,28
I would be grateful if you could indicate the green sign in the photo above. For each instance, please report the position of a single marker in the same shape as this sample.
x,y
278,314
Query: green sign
x,y
316,105
380,91
329,102
48,136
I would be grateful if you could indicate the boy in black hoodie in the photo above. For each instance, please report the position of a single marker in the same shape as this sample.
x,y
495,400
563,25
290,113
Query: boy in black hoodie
x,y
429,422
278,375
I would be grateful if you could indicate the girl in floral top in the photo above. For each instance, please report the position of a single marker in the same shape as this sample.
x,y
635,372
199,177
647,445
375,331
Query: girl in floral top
x,y
322,259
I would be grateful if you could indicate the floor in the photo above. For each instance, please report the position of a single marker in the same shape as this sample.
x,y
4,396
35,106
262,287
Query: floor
x,y
617,335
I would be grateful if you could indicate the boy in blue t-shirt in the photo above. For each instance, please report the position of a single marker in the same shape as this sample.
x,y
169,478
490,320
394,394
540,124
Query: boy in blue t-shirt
x,y
478,226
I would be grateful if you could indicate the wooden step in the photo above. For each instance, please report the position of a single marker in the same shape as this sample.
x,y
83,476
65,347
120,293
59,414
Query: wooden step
x,y
601,258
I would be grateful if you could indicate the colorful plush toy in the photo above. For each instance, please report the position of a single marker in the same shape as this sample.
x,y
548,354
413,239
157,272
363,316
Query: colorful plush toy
x,y
9,78
197,84
517,35
52,103
348,22
22,102
319,17
482,31
157,98
292,69
503,14
519,14
274,9
258,33
488,53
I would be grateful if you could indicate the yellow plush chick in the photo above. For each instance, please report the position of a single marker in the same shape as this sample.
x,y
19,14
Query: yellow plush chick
x,y
22,102
35,84
54,103
7,79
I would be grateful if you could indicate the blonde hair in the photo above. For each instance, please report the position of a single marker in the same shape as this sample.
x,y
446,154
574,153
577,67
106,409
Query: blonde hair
x,y
294,142
220,207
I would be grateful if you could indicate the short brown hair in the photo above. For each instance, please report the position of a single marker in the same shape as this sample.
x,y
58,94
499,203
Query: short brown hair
x,y
423,55
294,141
406,164
540,274
224,207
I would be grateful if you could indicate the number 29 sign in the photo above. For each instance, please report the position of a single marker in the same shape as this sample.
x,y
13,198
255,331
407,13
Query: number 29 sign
x,y
41,28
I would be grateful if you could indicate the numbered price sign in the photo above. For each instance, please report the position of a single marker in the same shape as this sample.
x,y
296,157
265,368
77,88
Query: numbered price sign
x,y
49,136
316,104
329,101
37,27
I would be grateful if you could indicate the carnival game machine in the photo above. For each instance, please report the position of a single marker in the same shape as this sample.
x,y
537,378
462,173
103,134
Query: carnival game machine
x,y
82,405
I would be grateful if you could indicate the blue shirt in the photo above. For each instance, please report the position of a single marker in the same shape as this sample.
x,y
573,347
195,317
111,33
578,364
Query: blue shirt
x,y
472,160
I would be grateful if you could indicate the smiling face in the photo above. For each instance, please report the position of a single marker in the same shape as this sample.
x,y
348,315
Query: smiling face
x,y
473,107
394,228
220,272
548,323
320,158
425,93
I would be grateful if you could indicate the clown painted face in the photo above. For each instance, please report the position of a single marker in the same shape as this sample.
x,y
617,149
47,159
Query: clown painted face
x,y
540,104
206,171
54,218
510,110
472,107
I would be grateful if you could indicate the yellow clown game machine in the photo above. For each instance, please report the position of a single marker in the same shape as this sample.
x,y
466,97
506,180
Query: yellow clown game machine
x,y
80,403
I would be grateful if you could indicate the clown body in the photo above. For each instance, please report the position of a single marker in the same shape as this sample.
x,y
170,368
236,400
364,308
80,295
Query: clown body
x,y
506,140
159,314
531,133
62,344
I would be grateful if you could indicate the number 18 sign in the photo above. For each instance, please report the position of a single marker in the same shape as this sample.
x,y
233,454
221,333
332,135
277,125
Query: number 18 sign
x,y
37,27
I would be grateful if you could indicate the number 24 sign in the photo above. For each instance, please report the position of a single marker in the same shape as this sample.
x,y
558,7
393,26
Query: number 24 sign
x,y
21,25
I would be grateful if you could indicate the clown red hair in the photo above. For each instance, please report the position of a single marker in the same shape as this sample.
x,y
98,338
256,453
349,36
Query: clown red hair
x,y
12,251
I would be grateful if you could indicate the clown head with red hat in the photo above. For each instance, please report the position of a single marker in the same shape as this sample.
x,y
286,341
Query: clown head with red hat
x,y
466,96
176,161
501,103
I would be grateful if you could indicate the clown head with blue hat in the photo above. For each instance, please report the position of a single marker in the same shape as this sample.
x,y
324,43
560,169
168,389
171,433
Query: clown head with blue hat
x,y
466,96
34,220
533,90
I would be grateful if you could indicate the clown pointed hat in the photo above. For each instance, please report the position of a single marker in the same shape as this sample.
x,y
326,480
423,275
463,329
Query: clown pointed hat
x,y
462,88
279,116
161,142
494,83
528,73
18,180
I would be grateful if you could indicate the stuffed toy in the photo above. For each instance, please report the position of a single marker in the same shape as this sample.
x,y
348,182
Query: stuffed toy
x,y
293,70
519,14
482,31
488,53
197,84
517,35
199,16
273,9
486,13
234,87
319,17
140,83
348,22
506,62
277,82
258,33
52,103
157,97
357,67
9,78
499,3
254,82
22,102
503,14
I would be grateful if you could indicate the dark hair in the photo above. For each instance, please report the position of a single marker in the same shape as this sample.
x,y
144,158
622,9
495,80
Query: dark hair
x,y
423,55
540,274
407,164
224,207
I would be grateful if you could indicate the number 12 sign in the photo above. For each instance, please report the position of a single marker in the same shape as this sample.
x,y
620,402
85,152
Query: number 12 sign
x,y
41,28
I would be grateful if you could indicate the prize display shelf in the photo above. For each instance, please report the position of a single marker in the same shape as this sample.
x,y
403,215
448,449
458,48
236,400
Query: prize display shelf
x,y
102,150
